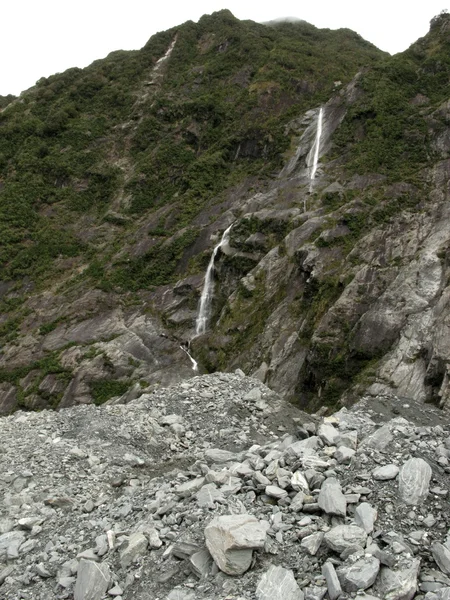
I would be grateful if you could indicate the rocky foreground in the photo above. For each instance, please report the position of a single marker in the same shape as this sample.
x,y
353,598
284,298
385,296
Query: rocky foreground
x,y
216,489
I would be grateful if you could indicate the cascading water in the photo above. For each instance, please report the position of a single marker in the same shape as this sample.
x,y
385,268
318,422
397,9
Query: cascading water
x,y
315,150
193,361
204,309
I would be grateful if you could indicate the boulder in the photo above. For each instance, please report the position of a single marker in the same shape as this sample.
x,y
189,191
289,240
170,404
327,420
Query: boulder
x,y
92,580
231,540
414,481
278,583
331,499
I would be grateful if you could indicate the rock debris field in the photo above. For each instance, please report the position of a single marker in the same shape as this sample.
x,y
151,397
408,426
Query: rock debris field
x,y
216,489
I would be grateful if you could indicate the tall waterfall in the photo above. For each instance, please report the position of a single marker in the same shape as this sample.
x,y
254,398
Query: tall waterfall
x,y
315,150
204,309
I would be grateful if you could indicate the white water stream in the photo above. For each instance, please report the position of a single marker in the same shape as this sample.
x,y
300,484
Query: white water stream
x,y
315,150
193,361
204,309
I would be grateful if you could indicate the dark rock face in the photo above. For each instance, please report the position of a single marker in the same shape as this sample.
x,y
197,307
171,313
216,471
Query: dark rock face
x,y
331,284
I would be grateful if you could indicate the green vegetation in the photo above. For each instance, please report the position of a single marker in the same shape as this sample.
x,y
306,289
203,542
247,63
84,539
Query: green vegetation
x,y
384,130
104,389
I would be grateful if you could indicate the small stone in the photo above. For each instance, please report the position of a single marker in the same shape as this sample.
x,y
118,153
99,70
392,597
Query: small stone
x,y
386,472
42,571
88,506
153,538
344,455
115,591
190,487
312,543
278,583
219,456
274,491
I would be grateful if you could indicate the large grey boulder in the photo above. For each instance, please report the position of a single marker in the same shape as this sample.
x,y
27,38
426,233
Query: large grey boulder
x,y
400,584
345,536
360,575
331,499
92,580
414,481
278,583
231,540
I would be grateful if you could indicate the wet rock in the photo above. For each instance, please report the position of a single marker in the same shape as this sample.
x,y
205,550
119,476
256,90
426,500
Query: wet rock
x,y
278,583
231,540
414,481
92,580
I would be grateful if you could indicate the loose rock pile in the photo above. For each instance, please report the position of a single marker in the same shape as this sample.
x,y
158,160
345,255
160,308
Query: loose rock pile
x,y
216,489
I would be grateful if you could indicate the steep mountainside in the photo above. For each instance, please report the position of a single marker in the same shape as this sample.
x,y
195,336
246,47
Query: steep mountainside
x,y
116,182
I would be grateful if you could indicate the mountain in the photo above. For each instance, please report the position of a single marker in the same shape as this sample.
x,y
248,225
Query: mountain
x,y
117,182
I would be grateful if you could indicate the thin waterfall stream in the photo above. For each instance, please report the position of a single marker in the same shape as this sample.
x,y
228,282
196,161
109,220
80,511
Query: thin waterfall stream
x,y
204,310
316,148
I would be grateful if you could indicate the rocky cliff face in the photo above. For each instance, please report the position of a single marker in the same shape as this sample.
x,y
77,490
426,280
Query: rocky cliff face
x,y
118,181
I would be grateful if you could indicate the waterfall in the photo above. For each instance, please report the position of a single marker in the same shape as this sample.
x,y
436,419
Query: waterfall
x,y
316,149
204,308
193,361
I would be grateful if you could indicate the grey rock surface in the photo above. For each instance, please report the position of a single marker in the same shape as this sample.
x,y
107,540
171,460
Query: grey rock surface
x,y
360,574
278,583
231,540
331,499
341,537
385,473
333,583
92,580
414,481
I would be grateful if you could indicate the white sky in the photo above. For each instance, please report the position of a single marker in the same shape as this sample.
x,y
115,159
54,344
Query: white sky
x,y
42,37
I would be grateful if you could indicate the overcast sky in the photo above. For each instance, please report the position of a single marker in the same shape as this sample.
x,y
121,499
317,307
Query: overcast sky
x,y
42,37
